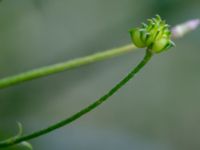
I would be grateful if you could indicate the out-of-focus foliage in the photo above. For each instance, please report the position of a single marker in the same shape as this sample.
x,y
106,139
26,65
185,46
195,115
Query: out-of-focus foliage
x,y
159,109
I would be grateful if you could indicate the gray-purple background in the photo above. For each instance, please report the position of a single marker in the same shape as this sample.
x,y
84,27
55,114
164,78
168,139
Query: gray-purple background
x,y
158,110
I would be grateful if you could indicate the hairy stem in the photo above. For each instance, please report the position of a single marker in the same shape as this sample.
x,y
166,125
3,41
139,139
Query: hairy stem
x,y
52,69
84,111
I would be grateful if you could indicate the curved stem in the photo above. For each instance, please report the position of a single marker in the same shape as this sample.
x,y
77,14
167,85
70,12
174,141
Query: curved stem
x,y
84,111
52,69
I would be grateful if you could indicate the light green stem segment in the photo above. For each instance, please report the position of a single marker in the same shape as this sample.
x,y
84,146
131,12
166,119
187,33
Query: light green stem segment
x,y
84,111
52,69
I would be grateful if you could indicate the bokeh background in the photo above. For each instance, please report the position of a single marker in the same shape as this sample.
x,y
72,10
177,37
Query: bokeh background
x,y
158,110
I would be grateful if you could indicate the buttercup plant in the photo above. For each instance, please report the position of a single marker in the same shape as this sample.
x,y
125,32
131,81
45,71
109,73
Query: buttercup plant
x,y
154,36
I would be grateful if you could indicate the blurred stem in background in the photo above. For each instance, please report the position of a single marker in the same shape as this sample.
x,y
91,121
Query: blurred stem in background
x,y
177,32
60,67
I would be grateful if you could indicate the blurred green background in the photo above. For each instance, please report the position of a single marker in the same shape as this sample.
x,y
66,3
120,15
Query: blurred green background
x,y
158,110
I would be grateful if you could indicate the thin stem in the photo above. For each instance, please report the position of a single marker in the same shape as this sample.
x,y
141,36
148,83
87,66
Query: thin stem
x,y
52,69
84,111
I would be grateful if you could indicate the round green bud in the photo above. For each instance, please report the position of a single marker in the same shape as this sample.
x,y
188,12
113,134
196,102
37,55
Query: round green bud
x,y
155,35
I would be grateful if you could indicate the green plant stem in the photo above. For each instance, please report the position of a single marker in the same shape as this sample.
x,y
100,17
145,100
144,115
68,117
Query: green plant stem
x,y
84,111
52,69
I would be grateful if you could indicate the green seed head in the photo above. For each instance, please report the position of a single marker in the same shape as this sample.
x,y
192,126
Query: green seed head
x,y
155,35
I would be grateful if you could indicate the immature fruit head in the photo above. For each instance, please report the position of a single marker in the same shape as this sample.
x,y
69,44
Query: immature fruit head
x,y
155,35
